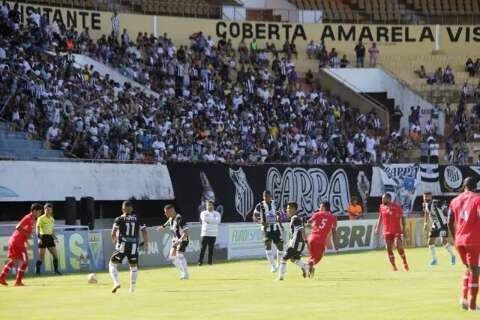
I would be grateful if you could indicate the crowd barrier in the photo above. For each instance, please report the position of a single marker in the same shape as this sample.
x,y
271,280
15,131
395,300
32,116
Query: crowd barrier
x,y
82,250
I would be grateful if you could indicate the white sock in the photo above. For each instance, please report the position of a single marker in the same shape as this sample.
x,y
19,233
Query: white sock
x,y
280,255
133,278
112,267
432,251
300,263
282,269
175,262
270,259
448,247
183,263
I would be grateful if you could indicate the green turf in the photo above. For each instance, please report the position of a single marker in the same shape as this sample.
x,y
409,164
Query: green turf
x,y
346,286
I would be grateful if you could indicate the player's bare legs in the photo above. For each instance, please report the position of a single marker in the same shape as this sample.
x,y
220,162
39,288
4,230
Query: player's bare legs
x,y
269,254
401,252
6,270
391,256
21,272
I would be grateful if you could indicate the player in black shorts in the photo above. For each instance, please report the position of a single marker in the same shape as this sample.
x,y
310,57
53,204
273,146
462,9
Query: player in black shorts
x,y
178,227
265,213
297,243
438,218
125,236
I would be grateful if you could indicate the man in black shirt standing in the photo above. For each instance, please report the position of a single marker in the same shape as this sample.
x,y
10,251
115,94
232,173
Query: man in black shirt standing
x,y
360,53
125,235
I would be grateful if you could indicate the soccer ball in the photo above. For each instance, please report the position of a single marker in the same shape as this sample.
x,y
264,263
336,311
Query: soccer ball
x,y
92,278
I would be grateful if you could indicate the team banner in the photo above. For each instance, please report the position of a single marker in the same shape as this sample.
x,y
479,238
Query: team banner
x,y
406,182
451,177
77,250
237,189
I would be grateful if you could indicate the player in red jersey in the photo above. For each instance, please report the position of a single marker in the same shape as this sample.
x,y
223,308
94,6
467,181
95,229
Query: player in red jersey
x,y
17,245
464,222
391,216
322,223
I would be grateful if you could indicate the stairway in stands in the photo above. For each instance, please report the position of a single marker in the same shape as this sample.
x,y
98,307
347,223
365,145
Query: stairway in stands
x,y
16,145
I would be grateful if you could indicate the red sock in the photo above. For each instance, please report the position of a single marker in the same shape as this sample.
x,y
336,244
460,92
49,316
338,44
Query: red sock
x,y
21,271
466,278
473,285
404,257
6,269
391,257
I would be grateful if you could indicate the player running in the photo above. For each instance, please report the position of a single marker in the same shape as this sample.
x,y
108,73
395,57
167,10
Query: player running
x,y
322,222
265,213
391,216
125,235
177,225
296,244
18,244
464,222
439,226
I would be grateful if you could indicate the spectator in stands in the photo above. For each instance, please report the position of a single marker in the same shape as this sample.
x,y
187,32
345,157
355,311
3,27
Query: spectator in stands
x,y
344,62
438,76
115,24
360,54
373,52
448,76
470,67
355,210
421,73
396,118
309,77
311,50
465,91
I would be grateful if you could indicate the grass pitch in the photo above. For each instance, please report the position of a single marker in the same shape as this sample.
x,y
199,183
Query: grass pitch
x,y
346,286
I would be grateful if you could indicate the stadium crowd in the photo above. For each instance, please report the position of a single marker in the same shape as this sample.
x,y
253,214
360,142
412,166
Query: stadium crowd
x,y
215,102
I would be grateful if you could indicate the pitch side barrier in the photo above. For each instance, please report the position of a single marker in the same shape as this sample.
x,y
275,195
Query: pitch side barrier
x,y
81,250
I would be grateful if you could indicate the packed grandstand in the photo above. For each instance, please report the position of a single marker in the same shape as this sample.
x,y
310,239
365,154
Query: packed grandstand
x,y
214,100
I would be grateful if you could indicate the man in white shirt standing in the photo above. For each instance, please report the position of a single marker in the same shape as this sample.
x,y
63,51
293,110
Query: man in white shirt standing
x,y
210,221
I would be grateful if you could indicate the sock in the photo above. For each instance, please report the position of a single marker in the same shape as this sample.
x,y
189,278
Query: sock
x,y
133,278
55,265
269,255
432,251
391,257
112,267
473,286
183,263
23,267
466,278
38,265
300,263
282,268
175,262
404,257
280,255
448,247
7,268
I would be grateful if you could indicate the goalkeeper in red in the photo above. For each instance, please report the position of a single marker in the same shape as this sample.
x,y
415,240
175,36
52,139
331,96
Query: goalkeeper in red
x,y
464,222
393,221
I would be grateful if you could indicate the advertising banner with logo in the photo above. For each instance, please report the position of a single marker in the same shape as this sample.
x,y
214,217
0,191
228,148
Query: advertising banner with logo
x,y
237,189
246,239
77,251
160,243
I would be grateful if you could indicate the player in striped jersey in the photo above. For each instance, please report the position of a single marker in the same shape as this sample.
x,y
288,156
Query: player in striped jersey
x,y
297,243
439,226
265,213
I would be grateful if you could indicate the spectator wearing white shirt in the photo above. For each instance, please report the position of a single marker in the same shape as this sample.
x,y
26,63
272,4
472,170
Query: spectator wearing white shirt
x,y
210,222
